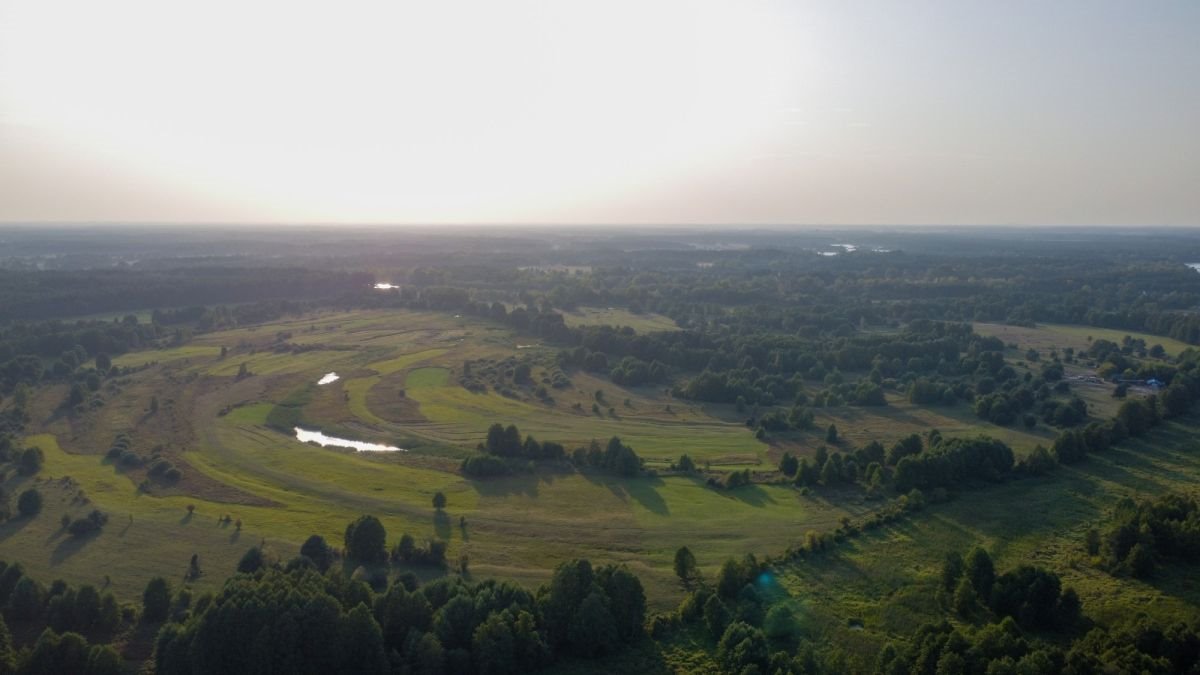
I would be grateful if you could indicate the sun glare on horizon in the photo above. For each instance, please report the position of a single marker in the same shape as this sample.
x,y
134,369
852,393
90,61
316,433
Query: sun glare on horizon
x,y
673,111
412,111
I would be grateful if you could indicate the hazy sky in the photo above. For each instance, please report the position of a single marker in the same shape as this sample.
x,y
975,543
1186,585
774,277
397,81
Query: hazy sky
x,y
621,111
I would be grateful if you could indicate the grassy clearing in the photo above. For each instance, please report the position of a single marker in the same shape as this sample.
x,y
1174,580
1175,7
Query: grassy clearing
x,y
519,527
159,540
401,362
1047,336
427,377
457,415
134,359
860,425
613,316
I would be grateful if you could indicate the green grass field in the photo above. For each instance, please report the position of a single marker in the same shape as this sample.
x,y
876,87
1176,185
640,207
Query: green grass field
x,y
615,316
399,384
1060,336
214,426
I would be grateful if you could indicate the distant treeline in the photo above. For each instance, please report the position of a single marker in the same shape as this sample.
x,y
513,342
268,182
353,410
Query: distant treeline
x,y
53,294
797,291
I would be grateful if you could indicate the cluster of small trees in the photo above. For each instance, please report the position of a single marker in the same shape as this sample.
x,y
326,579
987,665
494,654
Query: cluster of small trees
x,y
504,449
834,468
159,466
1145,531
506,442
69,652
731,480
29,460
685,464
952,462
301,620
432,553
66,611
1023,601
615,457
65,608
1032,596
828,469
632,371
366,544
85,525
909,464
927,392
120,451
1002,408
751,633
993,648
1063,413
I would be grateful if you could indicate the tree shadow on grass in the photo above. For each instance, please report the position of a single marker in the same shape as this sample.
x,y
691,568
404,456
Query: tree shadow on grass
x,y
441,525
14,526
753,495
640,489
505,486
644,491
1119,467
69,547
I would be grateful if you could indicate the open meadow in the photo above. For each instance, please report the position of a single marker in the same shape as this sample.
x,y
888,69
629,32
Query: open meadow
x,y
398,384
226,400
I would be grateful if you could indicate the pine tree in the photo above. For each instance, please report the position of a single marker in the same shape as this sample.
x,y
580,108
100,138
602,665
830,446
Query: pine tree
x,y
685,566
8,659
966,600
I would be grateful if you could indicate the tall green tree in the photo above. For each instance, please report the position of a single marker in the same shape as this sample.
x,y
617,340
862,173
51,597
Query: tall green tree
x,y
8,658
592,630
981,572
685,566
571,583
492,645
317,550
952,570
366,540
156,600
626,600
362,644
252,561
789,464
